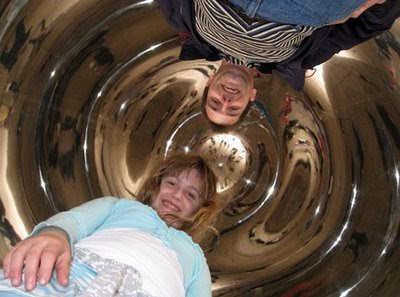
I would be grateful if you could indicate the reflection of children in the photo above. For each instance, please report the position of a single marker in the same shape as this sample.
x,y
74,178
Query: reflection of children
x,y
287,107
386,42
306,288
123,247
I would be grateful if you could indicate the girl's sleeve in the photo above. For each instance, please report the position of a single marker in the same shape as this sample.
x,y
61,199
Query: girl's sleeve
x,y
81,221
201,285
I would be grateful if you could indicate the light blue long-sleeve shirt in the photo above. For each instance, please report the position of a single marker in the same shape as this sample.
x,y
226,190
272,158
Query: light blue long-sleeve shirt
x,y
110,212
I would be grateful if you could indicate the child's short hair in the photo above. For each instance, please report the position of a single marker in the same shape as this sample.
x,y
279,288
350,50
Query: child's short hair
x,y
203,221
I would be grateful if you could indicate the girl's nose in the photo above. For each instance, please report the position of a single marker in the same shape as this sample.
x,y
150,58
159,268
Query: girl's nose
x,y
178,193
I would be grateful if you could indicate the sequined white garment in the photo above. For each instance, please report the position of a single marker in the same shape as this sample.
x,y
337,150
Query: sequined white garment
x,y
158,266
113,279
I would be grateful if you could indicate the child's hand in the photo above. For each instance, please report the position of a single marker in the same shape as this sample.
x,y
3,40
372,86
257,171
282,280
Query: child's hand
x,y
36,257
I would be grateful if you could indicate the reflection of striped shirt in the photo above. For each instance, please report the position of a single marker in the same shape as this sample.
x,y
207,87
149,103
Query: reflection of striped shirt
x,y
259,42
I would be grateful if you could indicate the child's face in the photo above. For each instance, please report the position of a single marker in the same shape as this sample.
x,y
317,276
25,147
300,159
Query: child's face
x,y
179,197
230,90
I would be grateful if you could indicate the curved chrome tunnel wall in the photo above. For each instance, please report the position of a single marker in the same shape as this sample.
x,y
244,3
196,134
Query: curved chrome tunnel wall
x,y
92,92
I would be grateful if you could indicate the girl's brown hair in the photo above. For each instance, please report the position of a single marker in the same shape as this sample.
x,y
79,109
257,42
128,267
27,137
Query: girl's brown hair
x,y
200,224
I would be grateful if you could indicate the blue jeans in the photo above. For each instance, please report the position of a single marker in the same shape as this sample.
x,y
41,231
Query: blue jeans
x,y
314,13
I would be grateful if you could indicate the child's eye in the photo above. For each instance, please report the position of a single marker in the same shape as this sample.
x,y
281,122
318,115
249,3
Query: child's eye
x,y
171,183
192,195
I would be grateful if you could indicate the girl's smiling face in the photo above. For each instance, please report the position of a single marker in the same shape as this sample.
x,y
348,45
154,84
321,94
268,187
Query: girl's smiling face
x,y
179,197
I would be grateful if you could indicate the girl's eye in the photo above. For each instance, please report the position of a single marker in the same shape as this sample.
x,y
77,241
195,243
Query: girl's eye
x,y
192,195
171,182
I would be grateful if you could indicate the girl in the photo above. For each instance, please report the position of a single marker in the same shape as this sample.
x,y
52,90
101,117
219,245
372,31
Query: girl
x,y
122,247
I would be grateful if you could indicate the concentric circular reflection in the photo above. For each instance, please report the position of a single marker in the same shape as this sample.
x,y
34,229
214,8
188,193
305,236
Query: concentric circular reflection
x,y
92,94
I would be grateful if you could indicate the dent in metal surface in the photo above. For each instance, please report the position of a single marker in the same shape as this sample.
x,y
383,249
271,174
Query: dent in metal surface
x,y
92,93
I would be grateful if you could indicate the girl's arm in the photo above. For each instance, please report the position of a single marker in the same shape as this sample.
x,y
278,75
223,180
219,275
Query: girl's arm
x,y
81,221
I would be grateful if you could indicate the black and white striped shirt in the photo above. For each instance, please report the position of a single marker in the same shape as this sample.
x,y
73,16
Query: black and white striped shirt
x,y
243,43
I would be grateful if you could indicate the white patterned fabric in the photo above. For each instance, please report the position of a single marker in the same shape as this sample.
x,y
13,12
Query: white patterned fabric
x,y
158,266
113,279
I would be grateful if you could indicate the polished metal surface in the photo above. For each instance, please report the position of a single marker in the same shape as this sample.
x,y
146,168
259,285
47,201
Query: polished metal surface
x,y
92,92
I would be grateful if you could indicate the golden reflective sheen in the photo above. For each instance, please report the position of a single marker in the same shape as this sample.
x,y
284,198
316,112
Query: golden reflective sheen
x,y
92,92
